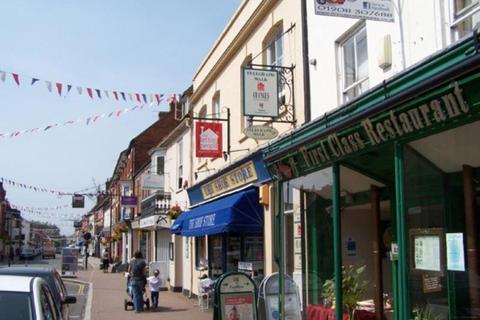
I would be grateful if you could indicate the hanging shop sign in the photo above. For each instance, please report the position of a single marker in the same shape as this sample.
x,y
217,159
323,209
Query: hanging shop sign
x,y
209,140
261,132
153,182
129,201
260,95
78,201
233,179
427,113
380,10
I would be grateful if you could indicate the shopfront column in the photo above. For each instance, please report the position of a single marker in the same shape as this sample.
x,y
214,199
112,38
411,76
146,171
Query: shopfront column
x,y
337,242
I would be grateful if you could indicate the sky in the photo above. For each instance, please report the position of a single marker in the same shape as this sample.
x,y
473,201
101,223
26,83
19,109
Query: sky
x,y
132,46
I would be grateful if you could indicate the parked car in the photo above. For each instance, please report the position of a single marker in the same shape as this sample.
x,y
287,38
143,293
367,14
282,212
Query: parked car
x,y
48,252
27,253
27,298
58,250
54,281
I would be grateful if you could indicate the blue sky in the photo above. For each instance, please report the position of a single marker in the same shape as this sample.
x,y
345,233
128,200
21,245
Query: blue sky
x,y
144,46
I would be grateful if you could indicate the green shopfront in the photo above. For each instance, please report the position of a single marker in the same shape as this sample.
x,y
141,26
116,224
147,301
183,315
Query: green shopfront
x,y
378,202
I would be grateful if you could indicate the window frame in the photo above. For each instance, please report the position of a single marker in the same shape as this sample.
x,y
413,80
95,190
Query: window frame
x,y
201,252
351,35
216,109
179,164
457,18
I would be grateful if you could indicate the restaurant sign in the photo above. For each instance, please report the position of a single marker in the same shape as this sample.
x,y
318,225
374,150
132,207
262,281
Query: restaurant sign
x,y
388,126
380,10
233,179
260,132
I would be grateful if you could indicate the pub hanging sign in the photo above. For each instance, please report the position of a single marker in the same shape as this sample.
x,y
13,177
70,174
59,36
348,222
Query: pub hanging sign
x,y
260,92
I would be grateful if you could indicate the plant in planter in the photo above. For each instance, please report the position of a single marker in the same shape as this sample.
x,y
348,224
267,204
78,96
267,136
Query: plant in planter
x,y
352,288
174,211
422,313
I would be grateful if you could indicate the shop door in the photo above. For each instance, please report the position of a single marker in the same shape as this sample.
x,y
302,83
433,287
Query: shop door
x,y
162,261
441,199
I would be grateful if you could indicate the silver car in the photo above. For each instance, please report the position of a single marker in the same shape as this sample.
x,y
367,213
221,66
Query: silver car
x,y
26,298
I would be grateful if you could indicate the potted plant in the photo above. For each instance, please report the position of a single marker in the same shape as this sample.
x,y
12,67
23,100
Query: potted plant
x,y
422,313
174,212
352,288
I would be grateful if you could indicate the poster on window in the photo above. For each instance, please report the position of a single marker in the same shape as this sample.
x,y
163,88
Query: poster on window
x,y
208,138
260,95
427,253
380,10
455,255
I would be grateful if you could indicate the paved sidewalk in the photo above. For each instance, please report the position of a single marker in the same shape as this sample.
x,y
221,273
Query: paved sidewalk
x,y
109,294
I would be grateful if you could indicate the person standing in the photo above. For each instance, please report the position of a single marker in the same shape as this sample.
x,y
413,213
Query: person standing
x,y
136,270
154,284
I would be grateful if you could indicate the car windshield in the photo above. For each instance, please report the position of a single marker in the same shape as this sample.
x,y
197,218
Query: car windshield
x,y
22,303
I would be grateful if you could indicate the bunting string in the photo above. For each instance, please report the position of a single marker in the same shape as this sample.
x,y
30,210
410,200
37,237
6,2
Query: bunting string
x,y
38,209
63,89
87,121
13,183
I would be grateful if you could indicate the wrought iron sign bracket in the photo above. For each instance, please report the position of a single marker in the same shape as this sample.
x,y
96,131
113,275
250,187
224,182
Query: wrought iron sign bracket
x,y
286,112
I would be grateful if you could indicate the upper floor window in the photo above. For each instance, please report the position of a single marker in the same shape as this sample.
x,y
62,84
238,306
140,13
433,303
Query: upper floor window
x,y
216,106
466,17
180,164
160,165
274,48
354,64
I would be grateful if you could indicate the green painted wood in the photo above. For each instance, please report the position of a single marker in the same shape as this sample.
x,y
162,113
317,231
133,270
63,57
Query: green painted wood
x,y
337,242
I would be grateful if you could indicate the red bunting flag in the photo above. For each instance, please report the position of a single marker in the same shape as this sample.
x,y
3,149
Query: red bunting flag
x,y
137,95
15,77
157,96
115,94
90,92
59,88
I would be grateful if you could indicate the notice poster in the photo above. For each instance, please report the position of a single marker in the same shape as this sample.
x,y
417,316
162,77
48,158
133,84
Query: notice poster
x,y
238,306
427,253
455,254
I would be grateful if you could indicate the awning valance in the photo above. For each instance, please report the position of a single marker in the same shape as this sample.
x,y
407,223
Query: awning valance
x,y
239,212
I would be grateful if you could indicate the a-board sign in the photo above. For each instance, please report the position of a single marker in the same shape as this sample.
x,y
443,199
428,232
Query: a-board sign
x,y
69,260
235,297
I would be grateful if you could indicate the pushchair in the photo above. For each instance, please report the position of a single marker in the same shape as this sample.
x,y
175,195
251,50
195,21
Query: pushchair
x,y
128,301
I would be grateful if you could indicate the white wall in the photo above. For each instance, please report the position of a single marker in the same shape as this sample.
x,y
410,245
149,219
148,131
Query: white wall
x,y
426,30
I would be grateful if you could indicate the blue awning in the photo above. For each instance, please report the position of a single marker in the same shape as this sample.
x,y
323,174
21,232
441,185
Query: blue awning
x,y
239,212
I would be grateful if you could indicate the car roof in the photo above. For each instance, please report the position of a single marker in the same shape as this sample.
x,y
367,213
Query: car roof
x,y
27,271
15,283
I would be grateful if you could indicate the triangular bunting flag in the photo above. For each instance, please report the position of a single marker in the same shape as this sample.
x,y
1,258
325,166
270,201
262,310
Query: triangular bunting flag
x,y
115,95
2,75
99,94
123,96
88,121
110,114
90,92
49,85
157,96
119,112
69,87
59,88
15,77
130,96
106,94
137,95
34,80
79,89
144,97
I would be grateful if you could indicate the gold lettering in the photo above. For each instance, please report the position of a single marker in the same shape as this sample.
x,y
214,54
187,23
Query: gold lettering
x,y
367,125
438,113
380,131
293,165
415,117
451,105
306,156
425,113
406,125
351,140
325,153
359,140
388,126
346,145
320,154
459,94
395,123
332,146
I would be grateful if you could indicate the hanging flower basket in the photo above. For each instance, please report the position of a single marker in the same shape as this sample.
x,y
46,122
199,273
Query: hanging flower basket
x,y
174,212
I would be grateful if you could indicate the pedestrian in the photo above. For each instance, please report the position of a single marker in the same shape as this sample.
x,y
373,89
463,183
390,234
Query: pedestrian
x,y
1,255
105,260
136,271
154,284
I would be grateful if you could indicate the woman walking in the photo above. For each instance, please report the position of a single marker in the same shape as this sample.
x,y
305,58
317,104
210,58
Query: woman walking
x,y
136,270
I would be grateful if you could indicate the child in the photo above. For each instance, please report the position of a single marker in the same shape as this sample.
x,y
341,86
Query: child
x,y
154,284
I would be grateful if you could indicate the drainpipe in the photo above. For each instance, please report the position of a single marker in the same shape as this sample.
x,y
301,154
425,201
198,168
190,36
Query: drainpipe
x,y
306,65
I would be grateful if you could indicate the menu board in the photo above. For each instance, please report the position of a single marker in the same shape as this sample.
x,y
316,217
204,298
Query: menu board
x,y
427,252
455,252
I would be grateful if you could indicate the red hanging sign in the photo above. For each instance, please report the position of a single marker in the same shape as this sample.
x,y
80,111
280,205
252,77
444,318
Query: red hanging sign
x,y
208,138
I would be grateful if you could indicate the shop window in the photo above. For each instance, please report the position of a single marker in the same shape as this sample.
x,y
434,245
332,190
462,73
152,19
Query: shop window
x,y
180,164
234,247
354,64
215,253
466,17
201,261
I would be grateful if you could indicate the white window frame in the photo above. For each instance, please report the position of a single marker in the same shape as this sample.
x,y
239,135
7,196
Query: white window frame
x,y
179,183
275,44
157,167
457,18
216,105
342,75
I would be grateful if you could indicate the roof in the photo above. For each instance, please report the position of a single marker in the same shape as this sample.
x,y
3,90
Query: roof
x,y
27,271
15,283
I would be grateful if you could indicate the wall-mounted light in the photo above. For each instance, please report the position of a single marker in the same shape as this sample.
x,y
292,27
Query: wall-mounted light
x,y
226,154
